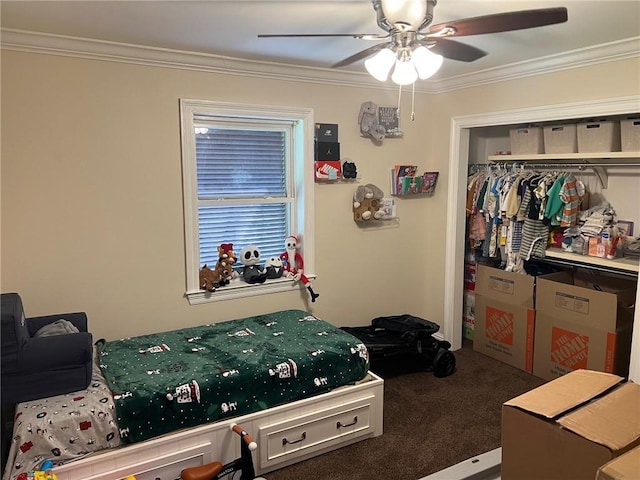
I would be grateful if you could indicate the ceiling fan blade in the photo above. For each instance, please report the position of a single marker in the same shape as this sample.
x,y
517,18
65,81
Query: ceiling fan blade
x,y
503,22
362,54
358,36
456,50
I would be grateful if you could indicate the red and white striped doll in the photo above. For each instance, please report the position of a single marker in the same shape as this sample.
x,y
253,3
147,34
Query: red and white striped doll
x,y
293,264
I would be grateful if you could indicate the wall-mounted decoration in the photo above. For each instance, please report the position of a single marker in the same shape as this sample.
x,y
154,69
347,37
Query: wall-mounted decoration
x,y
327,170
388,206
349,169
367,203
429,180
406,181
369,121
326,132
390,121
327,153
398,175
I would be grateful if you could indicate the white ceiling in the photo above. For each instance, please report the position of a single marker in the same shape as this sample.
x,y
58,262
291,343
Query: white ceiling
x,y
230,28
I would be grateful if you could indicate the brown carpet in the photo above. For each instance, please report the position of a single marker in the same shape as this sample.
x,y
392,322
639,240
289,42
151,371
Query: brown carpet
x,y
429,423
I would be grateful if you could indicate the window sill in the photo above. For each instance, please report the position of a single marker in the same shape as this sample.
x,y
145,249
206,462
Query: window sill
x,y
239,289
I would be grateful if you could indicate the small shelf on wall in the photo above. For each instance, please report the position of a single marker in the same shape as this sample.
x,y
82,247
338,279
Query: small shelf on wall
x,y
337,180
412,185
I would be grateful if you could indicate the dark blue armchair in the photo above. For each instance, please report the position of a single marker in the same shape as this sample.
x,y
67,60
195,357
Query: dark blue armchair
x,y
41,362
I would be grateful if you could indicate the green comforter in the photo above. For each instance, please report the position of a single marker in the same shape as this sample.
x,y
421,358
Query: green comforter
x,y
187,377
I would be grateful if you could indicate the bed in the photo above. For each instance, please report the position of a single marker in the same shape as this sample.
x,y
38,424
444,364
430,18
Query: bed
x,y
160,403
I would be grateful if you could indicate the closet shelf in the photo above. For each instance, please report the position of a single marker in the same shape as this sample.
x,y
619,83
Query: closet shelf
x,y
627,265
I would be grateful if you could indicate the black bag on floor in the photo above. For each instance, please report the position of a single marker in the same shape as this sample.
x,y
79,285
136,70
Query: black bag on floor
x,y
406,335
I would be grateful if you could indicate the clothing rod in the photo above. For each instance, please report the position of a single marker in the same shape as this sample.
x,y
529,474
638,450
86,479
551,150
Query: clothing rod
x,y
507,165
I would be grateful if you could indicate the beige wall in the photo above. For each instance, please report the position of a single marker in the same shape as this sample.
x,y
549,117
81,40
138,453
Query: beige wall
x,y
92,195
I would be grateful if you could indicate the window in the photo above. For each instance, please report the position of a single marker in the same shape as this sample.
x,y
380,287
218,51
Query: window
x,y
248,180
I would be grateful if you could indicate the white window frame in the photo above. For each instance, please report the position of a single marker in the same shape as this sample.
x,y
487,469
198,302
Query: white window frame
x,y
301,192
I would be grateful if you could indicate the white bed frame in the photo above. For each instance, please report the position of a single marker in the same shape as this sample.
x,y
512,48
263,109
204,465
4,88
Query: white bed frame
x,y
285,435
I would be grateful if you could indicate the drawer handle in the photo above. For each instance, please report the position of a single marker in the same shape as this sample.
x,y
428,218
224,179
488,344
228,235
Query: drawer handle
x,y
289,442
340,424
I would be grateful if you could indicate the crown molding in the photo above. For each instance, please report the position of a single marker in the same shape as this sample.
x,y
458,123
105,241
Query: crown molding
x,y
61,45
608,52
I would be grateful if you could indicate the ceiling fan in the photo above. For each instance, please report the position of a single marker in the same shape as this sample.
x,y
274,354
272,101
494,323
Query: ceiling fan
x,y
416,47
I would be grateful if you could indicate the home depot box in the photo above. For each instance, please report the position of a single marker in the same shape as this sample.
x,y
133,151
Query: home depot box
x,y
582,321
569,427
624,467
504,316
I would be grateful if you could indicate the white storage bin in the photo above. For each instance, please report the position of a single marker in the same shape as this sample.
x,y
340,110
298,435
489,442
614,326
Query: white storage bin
x,y
600,136
526,140
630,134
560,138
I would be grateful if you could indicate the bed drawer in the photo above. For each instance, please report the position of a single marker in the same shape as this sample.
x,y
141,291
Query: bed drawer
x,y
318,431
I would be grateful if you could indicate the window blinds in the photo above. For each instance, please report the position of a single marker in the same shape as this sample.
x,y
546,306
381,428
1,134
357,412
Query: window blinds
x,y
243,193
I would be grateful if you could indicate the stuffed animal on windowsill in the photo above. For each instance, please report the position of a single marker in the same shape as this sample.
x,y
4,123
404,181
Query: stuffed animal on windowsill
x,y
293,264
226,260
252,272
367,203
210,280
273,267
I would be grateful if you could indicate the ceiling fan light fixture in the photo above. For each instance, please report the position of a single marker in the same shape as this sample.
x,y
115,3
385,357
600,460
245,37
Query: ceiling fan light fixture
x,y
405,73
410,12
426,62
380,64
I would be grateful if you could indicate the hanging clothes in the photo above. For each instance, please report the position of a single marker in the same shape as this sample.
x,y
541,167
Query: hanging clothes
x,y
510,213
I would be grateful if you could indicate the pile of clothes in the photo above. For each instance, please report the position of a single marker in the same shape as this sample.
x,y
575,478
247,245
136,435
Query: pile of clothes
x,y
596,222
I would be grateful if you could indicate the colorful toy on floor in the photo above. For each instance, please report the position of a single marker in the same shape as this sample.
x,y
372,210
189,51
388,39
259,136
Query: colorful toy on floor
x,y
44,474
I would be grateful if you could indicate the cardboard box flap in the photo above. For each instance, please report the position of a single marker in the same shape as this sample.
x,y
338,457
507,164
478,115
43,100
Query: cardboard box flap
x,y
565,393
612,421
508,287
624,467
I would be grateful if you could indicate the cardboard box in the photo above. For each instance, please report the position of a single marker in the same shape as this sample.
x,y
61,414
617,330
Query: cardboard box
x,y
526,140
504,316
327,170
582,321
327,151
327,132
560,139
569,427
624,467
596,247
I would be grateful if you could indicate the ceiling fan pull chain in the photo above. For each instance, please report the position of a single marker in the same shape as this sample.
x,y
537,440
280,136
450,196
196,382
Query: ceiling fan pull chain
x,y
413,101
399,98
